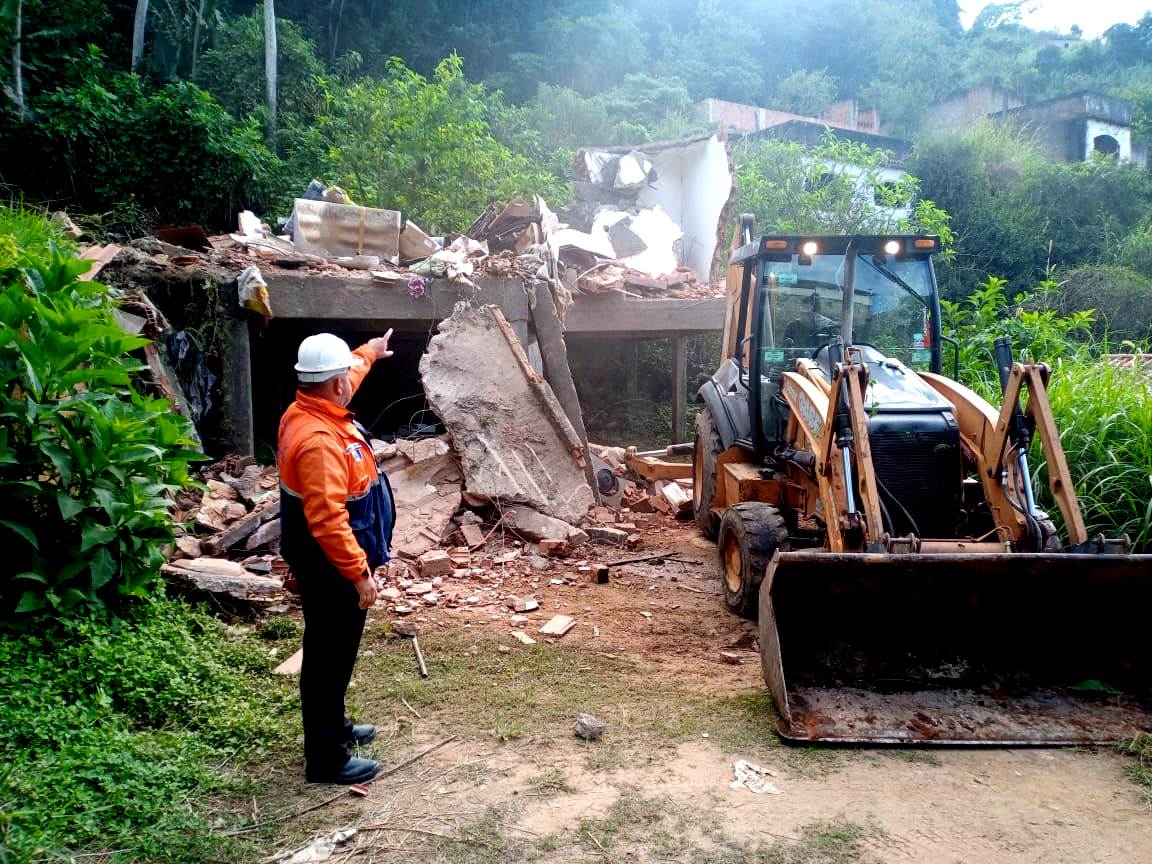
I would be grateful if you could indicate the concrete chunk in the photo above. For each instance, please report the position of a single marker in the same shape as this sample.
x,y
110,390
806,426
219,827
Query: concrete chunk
x,y
435,563
514,441
532,525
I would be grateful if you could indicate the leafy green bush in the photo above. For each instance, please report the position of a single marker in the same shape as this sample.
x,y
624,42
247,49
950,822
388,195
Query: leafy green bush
x,y
171,150
1120,297
232,70
121,731
86,461
838,187
1038,332
1016,213
423,146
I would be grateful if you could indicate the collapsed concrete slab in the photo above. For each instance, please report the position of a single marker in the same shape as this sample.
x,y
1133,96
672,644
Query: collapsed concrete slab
x,y
514,441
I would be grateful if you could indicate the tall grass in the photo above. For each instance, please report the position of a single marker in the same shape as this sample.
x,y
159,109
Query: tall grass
x,y
1104,415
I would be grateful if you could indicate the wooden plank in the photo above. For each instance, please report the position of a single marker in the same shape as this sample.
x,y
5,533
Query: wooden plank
x,y
546,397
655,469
240,529
554,354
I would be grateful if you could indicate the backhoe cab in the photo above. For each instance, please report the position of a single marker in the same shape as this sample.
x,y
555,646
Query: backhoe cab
x,y
879,517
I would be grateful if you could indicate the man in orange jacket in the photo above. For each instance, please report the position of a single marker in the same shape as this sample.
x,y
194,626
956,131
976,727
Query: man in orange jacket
x,y
336,514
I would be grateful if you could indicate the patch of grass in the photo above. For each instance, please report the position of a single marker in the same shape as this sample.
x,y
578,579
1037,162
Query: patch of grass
x,y
507,728
482,842
278,628
623,821
126,734
825,842
536,692
1105,420
1139,748
550,782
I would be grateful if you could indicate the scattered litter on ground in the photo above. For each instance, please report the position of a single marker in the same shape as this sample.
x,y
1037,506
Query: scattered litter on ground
x,y
320,849
753,778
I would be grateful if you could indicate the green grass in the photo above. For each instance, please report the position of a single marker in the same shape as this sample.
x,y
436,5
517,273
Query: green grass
x,y
533,695
278,628
550,782
625,821
128,737
24,235
1139,748
482,841
1105,420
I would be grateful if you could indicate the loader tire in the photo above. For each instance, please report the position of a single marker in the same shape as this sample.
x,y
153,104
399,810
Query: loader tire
x,y
750,533
704,454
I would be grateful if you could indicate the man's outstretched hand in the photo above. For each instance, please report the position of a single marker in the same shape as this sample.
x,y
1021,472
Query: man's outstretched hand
x,y
366,588
379,345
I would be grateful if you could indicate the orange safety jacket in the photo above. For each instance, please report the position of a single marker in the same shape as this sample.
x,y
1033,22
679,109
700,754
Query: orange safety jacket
x,y
334,501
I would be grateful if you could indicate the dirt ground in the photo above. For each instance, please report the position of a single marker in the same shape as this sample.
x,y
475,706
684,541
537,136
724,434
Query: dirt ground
x,y
516,785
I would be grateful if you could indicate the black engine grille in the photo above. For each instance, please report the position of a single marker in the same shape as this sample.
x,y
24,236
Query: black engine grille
x,y
917,458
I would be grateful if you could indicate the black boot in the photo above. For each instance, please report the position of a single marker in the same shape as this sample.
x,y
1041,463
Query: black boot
x,y
355,770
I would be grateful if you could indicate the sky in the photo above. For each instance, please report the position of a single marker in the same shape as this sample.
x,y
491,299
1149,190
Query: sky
x,y
1093,17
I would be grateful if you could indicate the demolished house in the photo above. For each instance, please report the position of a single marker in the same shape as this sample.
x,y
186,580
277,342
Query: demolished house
x,y
477,421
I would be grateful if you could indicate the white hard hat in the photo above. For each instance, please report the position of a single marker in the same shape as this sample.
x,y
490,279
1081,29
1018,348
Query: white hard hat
x,y
324,356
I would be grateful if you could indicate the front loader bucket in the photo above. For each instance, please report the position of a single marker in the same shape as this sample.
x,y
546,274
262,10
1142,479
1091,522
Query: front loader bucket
x,y
994,648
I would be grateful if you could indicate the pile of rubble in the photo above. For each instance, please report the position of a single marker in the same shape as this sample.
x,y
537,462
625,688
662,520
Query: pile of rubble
x,y
450,549
481,511
644,223
229,537
519,240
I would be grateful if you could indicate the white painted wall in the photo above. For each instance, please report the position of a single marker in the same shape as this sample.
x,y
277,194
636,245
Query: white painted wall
x,y
1122,134
694,185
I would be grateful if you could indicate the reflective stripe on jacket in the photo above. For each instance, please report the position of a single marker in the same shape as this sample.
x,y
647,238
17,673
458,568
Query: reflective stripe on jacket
x,y
334,502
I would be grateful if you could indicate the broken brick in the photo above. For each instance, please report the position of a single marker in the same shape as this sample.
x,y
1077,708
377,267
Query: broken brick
x,y
553,547
434,563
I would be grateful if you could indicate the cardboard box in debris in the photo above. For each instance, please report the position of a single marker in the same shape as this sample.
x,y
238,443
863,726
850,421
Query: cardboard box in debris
x,y
510,469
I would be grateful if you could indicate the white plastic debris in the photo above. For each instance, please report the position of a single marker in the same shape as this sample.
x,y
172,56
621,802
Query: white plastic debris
x,y
253,291
753,778
320,849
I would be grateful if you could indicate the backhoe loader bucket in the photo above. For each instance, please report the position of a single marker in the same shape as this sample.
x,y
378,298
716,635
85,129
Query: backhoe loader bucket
x,y
995,648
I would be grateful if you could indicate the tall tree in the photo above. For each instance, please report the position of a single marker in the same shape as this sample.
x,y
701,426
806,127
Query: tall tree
x,y
335,13
196,33
138,25
270,65
17,57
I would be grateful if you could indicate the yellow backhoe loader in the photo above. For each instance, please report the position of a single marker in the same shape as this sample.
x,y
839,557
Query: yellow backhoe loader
x,y
878,517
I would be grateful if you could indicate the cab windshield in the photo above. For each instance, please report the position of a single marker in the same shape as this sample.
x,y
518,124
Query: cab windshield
x,y
802,306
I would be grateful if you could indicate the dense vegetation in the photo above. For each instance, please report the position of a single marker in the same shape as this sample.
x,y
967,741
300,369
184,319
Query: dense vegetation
x,y
129,735
119,707
86,460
